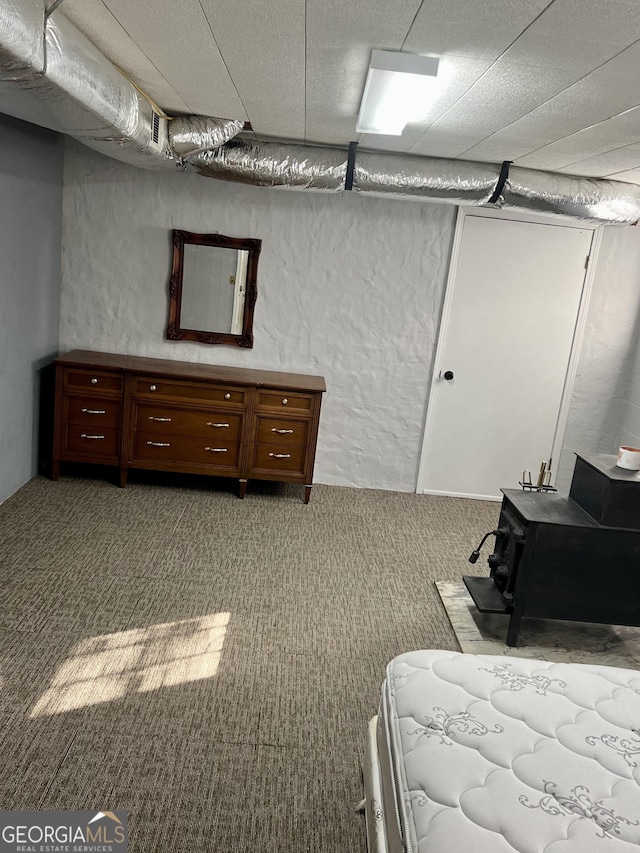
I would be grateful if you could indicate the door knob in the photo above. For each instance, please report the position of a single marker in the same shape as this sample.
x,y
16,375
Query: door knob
x,y
448,375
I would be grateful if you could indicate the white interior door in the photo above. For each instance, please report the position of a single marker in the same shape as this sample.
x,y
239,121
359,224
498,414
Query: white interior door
x,y
507,332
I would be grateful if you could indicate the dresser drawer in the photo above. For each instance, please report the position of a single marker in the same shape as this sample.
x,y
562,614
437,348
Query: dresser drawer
x,y
92,380
91,441
92,412
285,433
225,395
284,401
276,458
163,420
187,449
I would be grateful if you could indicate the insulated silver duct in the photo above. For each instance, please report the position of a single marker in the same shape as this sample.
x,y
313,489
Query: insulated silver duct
x,y
591,199
275,164
410,176
82,94
51,75
21,38
190,135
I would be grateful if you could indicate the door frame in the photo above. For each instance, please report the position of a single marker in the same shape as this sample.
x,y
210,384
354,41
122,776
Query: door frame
x,y
572,367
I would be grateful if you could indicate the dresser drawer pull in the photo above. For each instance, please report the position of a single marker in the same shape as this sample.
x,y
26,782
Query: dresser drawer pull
x,y
153,387
159,443
84,435
282,431
217,449
284,401
161,420
218,426
227,396
280,455
94,381
94,411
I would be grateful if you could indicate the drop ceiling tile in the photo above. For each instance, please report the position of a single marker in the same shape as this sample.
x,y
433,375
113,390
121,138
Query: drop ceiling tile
x,y
456,75
505,93
180,44
617,132
339,40
605,92
629,177
604,164
459,28
441,141
562,50
96,22
381,142
500,146
263,47
330,130
613,20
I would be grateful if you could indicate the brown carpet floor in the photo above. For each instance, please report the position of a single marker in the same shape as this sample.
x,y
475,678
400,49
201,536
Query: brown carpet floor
x,y
210,664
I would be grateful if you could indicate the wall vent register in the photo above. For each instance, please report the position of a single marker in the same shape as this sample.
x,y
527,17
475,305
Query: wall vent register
x,y
162,415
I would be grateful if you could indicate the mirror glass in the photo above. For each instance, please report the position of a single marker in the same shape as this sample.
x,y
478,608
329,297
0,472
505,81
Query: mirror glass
x,y
213,288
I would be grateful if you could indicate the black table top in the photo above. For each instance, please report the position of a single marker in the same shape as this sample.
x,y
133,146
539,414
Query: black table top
x,y
606,464
549,508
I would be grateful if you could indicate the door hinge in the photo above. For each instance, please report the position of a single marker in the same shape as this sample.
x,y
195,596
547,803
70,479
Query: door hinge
x,y
586,261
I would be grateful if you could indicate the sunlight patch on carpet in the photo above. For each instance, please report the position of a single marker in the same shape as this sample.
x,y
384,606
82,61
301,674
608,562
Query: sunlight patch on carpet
x,y
106,668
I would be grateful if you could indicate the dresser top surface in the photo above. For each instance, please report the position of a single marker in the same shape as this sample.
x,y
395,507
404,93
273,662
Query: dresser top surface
x,y
185,369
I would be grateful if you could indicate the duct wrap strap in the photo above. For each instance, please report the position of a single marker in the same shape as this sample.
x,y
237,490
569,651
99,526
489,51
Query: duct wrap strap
x,y
351,165
502,180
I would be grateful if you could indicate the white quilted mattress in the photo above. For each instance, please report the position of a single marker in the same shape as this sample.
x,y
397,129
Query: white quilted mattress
x,y
493,754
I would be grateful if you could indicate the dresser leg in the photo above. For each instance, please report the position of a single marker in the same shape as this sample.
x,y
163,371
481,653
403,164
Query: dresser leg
x,y
243,489
55,469
307,494
123,477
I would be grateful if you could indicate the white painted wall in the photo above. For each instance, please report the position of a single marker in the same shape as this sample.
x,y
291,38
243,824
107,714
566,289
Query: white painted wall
x,y
630,427
608,350
30,213
348,287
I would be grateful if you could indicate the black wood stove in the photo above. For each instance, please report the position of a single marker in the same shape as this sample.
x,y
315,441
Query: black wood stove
x,y
575,558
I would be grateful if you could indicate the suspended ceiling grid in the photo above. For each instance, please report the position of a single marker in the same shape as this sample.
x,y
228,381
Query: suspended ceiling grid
x,y
549,84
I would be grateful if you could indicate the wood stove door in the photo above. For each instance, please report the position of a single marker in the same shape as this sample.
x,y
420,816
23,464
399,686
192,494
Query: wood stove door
x,y
506,338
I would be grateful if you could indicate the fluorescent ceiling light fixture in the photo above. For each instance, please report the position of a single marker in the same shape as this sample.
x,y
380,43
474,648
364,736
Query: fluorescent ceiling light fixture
x,y
398,89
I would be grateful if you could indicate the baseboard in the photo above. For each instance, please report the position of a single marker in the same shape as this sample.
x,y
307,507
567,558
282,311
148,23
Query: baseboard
x,y
461,495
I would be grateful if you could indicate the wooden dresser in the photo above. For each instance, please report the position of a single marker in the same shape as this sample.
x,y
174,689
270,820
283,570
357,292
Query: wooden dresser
x,y
162,415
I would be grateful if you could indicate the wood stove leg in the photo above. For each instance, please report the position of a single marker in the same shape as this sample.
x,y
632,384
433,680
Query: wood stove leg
x,y
123,477
243,489
307,493
55,469
513,630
